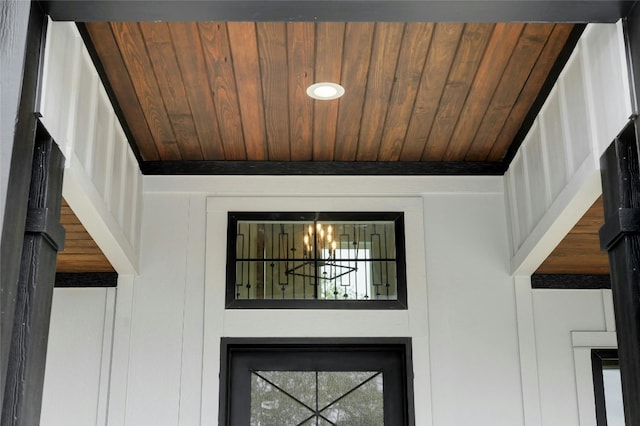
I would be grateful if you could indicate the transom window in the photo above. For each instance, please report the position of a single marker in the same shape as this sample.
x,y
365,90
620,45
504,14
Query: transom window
x,y
333,260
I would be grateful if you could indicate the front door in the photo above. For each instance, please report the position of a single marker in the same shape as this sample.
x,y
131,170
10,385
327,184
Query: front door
x,y
316,382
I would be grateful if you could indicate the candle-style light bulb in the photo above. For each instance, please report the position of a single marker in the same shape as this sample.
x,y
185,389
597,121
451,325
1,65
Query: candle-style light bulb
x,y
310,230
318,227
306,240
321,233
329,237
329,229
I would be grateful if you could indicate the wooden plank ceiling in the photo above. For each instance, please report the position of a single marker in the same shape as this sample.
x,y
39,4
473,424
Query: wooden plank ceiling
x,y
415,92
81,253
237,90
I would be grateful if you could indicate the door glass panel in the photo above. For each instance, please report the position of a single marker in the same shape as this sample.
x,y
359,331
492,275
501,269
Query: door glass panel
x,y
335,384
361,407
317,398
299,384
272,406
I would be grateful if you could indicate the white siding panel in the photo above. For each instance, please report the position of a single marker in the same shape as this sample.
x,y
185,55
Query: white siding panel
x,y
101,160
521,199
588,106
609,95
86,116
536,176
75,373
116,195
557,313
555,144
575,112
80,118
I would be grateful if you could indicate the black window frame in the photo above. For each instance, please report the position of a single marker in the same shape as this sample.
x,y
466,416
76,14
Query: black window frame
x,y
240,356
397,217
600,358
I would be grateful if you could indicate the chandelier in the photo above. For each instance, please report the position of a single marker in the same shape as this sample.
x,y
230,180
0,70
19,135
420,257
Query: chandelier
x,y
320,247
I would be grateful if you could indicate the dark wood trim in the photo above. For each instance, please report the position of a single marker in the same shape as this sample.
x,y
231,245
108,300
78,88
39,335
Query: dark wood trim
x,y
363,168
345,10
28,348
18,184
86,279
95,59
598,358
232,347
570,281
548,85
621,190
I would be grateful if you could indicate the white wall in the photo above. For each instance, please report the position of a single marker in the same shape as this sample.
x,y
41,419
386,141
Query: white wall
x,y
485,352
76,382
564,326
461,319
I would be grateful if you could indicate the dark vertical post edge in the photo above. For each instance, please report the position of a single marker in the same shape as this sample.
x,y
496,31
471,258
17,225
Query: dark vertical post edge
x,y
18,184
44,236
620,237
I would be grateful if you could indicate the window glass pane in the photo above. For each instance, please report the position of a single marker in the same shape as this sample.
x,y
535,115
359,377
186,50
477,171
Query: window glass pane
x,y
315,259
613,395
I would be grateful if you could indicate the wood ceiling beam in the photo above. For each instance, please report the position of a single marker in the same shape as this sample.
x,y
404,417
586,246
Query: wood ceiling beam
x,y
578,11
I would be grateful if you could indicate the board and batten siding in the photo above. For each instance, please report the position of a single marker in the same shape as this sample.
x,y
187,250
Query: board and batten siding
x,y
555,176
102,181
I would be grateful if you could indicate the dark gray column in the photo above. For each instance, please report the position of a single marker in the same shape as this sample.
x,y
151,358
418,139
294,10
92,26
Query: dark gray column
x,y
44,237
620,236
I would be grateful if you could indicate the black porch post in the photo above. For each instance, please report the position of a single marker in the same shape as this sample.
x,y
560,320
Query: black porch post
x,y
620,236
31,236
44,237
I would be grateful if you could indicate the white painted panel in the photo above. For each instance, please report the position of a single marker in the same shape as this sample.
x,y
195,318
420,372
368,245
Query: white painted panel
x,y
522,210
537,185
119,378
472,318
86,114
80,118
157,320
101,156
575,111
131,194
72,386
193,321
557,314
118,178
588,106
608,93
555,144
60,54
527,346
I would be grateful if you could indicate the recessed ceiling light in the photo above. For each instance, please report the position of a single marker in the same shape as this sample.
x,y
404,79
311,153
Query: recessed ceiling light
x,y
325,91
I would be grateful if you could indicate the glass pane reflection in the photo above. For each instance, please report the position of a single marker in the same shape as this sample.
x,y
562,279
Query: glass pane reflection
x,y
271,406
350,398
